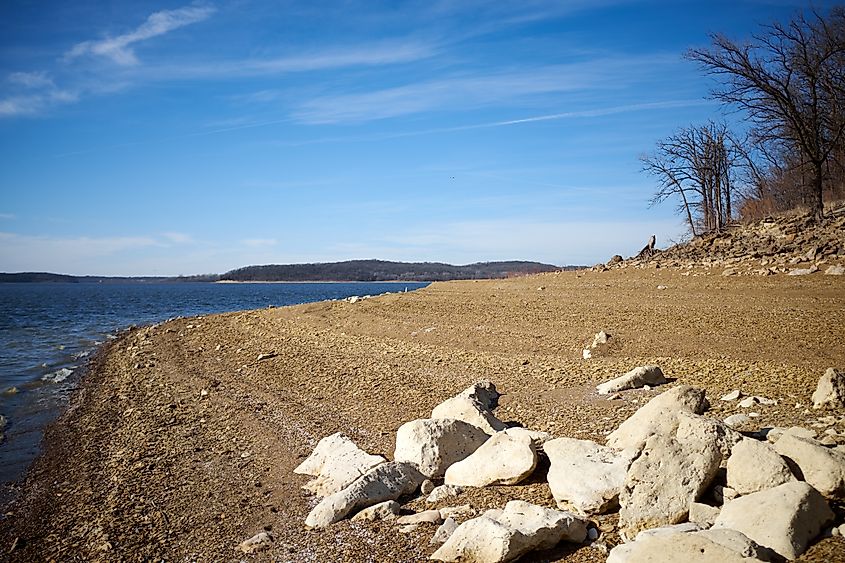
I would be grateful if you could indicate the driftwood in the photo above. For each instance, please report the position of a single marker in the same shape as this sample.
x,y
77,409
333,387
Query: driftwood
x,y
648,251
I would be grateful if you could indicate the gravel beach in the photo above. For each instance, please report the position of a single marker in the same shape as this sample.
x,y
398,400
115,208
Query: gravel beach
x,y
180,442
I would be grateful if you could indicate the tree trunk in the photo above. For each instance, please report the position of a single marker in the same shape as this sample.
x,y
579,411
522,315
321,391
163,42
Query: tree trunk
x,y
818,191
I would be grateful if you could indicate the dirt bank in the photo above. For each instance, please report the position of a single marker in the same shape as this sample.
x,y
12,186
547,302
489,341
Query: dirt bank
x,y
180,443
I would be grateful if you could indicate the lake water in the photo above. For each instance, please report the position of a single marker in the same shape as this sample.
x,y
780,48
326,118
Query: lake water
x,y
47,332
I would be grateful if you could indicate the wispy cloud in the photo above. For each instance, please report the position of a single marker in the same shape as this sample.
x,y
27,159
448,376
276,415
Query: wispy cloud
x,y
178,238
260,242
35,103
39,79
26,252
453,93
7,216
119,48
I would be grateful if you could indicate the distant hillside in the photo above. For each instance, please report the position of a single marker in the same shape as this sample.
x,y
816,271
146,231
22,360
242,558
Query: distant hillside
x,y
353,270
380,270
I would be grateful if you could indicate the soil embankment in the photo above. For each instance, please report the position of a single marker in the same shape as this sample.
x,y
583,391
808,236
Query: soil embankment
x,y
181,443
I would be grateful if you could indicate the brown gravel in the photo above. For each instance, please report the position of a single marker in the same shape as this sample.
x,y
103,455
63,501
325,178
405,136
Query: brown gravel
x,y
145,466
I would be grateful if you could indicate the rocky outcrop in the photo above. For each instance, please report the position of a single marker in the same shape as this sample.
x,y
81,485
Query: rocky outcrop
x,y
821,467
637,377
473,405
388,481
335,463
507,458
774,245
658,416
830,391
756,466
500,536
387,510
585,476
785,518
435,444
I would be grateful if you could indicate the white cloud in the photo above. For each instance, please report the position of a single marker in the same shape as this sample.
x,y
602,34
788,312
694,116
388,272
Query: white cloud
x,y
119,48
31,104
73,254
480,90
38,79
178,238
260,242
7,216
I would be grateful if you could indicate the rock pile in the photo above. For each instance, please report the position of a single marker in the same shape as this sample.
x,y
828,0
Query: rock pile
x,y
789,244
683,483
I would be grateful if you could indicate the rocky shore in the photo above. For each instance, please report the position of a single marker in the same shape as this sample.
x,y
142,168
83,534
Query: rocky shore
x,y
184,439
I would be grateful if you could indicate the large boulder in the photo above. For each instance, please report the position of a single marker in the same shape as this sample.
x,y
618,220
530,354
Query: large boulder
x,y
785,518
830,391
435,444
474,405
335,463
697,427
671,472
658,416
507,458
707,546
387,481
506,535
585,476
821,467
637,377
756,466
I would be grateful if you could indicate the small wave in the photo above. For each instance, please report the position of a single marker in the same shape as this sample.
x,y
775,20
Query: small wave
x,y
58,376
80,355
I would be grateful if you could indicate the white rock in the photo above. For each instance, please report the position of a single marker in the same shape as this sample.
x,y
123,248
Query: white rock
x,y
387,510
801,272
754,400
600,338
701,428
666,530
506,535
659,415
830,391
785,518
723,494
736,420
671,472
706,546
544,527
335,463
474,405
774,434
703,514
821,467
424,517
507,458
585,476
444,491
482,540
637,377
457,512
732,396
444,532
388,481
258,542
435,444
756,466
586,353
835,270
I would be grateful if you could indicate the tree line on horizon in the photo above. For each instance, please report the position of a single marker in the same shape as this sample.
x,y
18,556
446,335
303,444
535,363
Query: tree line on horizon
x,y
788,81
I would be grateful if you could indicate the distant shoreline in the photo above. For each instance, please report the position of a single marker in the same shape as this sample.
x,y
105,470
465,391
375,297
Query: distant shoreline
x,y
323,281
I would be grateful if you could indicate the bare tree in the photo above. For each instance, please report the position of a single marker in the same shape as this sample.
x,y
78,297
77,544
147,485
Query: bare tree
x,y
698,166
790,81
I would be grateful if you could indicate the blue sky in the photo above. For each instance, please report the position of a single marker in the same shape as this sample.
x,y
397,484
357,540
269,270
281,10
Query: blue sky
x,y
162,138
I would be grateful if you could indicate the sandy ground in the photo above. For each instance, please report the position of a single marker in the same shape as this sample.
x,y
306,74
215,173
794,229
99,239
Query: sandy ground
x,y
145,466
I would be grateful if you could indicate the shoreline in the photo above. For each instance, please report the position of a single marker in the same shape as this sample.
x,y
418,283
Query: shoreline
x,y
170,472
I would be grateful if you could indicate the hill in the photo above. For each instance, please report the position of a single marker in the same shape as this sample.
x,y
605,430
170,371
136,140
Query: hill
x,y
381,270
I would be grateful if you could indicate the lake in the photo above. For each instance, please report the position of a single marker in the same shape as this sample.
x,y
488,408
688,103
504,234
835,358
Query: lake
x,y
49,330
